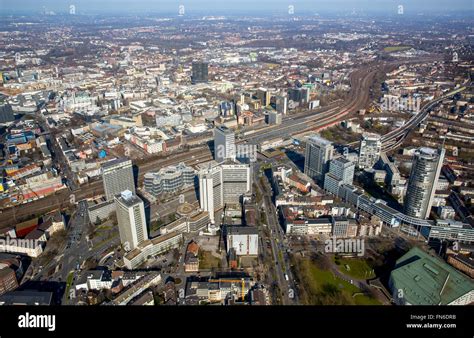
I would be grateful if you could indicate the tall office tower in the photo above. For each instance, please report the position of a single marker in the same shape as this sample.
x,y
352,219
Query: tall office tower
x,y
369,150
117,176
426,167
200,72
301,95
224,144
210,190
319,152
341,171
236,181
222,184
131,219
169,180
282,104
295,94
264,96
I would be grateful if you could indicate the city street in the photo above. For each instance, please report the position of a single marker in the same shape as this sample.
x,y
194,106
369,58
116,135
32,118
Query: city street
x,y
279,249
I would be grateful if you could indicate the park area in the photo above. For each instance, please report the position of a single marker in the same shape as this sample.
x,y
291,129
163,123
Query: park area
x,y
319,285
354,267
391,49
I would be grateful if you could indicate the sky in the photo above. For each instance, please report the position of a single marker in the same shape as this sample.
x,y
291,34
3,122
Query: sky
x,y
229,6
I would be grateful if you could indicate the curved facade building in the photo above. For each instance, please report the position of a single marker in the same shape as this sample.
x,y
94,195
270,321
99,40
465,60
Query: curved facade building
x,y
169,179
427,163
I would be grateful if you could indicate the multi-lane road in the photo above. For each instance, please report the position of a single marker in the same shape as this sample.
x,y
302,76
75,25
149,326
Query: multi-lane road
x,y
283,274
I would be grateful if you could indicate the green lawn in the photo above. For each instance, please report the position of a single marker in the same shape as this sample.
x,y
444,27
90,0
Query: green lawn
x,y
207,261
321,277
358,267
102,242
325,288
396,48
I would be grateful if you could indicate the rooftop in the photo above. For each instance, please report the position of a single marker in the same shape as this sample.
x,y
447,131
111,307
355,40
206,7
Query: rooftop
x,y
319,140
427,280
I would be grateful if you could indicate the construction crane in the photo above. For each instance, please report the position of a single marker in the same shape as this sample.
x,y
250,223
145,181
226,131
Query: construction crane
x,y
242,280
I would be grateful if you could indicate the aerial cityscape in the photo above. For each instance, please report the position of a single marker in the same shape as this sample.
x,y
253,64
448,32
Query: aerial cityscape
x,y
193,155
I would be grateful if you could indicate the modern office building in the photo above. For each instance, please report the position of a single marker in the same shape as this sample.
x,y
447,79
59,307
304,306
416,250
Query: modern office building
x,y
221,184
341,171
274,118
117,176
200,72
282,104
426,167
224,144
169,180
210,190
340,226
319,152
236,181
300,95
451,230
131,219
369,150
264,96
152,247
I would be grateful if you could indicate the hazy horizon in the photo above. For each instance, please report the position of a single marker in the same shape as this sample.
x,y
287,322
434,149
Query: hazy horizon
x,y
301,7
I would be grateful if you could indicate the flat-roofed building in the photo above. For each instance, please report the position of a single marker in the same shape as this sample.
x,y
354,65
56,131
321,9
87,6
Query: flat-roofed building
x,y
243,239
421,279
152,247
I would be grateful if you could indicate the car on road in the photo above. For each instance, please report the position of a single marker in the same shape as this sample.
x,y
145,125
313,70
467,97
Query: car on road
x,y
286,277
